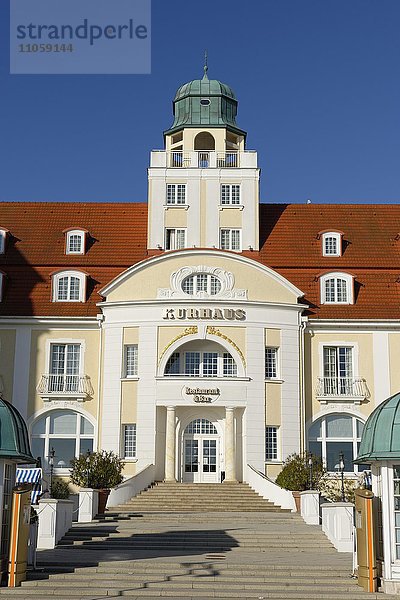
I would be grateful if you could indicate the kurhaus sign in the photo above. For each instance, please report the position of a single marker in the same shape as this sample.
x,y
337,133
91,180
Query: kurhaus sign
x,y
216,314
201,395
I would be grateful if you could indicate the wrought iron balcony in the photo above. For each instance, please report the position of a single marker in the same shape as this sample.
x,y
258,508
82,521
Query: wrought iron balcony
x,y
342,388
66,386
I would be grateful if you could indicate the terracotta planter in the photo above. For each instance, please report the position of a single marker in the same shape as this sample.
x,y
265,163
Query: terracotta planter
x,y
103,497
296,496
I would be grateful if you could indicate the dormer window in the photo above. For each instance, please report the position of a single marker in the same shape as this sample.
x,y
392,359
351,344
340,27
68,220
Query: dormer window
x,y
75,241
331,244
69,286
337,288
3,237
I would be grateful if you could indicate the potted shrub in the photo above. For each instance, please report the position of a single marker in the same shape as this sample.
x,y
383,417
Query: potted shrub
x,y
100,471
295,474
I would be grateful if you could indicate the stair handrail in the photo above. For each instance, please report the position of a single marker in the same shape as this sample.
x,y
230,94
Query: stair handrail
x,y
268,489
132,486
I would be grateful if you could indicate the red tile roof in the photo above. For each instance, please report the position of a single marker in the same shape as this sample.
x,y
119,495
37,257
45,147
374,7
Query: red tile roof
x,y
117,239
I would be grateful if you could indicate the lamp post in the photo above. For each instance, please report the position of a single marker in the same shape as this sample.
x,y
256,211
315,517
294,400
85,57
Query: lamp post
x,y
51,456
87,467
310,467
341,468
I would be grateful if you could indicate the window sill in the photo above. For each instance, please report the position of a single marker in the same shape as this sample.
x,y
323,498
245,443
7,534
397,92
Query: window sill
x,y
273,380
337,303
222,206
199,378
275,461
130,460
183,206
345,399
133,378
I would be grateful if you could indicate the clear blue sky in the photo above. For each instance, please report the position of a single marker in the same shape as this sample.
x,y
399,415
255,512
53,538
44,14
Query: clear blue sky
x,y
318,83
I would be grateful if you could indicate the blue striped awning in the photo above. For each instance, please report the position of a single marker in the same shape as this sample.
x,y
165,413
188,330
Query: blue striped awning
x,y
31,475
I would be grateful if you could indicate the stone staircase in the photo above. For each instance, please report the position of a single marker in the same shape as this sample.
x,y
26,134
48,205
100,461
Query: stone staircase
x,y
187,497
248,553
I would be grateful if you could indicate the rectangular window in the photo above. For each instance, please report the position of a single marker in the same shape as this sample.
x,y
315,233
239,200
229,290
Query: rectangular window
x,y
271,443
64,367
271,363
175,239
130,440
230,239
75,242
338,370
176,193
131,360
210,364
192,363
230,194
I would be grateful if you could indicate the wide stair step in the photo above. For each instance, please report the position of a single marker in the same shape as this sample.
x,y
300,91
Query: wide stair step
x,y
186,497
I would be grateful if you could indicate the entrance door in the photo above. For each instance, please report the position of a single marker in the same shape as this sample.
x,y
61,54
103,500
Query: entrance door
x,y
201,452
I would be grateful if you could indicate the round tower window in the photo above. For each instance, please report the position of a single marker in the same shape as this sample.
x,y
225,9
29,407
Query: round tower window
x,y
205,102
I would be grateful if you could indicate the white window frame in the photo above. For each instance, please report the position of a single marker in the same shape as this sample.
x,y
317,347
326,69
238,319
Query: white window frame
x,y
134,374
323,439
349,282
210,279
82,236
276,353
47,436
226,194
224,364
338,239
82,285
176,246
229,246
133,455
171,194
275,429
3,236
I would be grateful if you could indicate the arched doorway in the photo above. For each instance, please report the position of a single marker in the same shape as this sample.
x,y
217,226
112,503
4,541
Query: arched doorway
x,y
201,452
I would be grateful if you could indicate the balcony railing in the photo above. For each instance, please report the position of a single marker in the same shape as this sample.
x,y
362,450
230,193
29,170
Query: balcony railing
x,y
203,159
65,385
342,387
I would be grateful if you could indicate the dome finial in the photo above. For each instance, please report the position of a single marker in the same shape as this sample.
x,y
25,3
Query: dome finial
x,y
205,64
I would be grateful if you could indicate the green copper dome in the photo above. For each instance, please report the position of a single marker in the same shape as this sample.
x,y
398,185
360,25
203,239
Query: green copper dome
x,y
381,436
14,442
205,102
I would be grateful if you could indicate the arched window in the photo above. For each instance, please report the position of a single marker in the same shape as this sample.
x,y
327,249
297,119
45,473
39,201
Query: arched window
x,y
333,434
337,288
201,284
69,433
201,360
201,426
69,286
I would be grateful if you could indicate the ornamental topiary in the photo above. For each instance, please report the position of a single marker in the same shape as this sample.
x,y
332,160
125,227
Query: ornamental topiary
x,y
99,470
295,474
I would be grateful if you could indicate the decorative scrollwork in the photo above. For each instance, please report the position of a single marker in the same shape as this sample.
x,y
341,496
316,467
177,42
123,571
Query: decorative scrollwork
x,y
215,331
187,331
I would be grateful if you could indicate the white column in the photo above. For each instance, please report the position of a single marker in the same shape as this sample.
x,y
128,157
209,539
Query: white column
x,y
21,370
170,445
230,455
